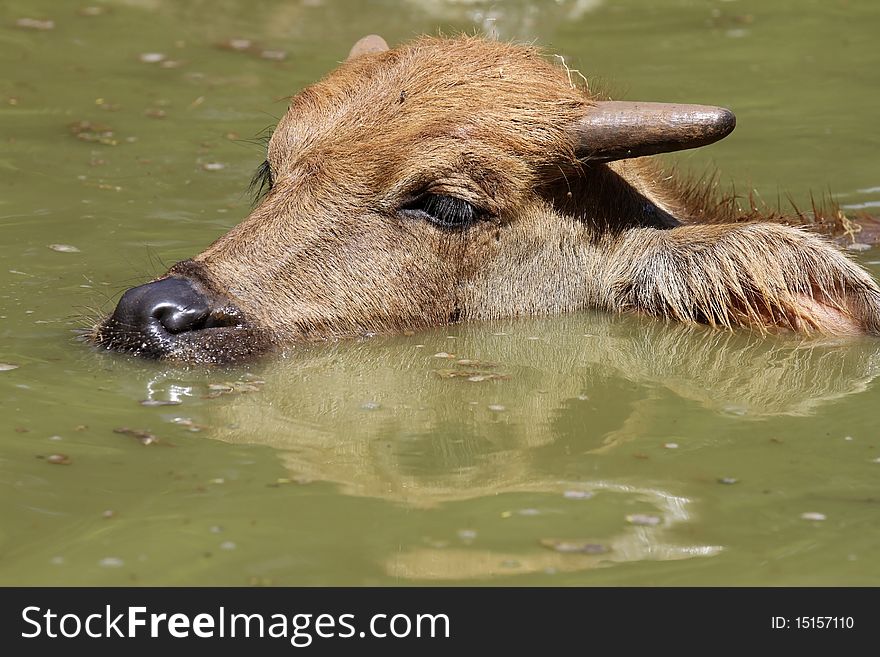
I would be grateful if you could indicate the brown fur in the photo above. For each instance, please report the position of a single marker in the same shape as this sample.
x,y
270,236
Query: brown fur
x,y
329,253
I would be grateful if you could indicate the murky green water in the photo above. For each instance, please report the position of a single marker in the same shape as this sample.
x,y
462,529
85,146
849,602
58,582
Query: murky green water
x,y
576,450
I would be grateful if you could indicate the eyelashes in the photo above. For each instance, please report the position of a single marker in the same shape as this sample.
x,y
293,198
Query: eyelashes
x,y
443,210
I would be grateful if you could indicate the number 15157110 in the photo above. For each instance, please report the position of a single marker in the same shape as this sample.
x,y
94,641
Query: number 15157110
x,y
813,622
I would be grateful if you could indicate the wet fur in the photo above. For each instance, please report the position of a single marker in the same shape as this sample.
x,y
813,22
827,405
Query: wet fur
x,y
328,252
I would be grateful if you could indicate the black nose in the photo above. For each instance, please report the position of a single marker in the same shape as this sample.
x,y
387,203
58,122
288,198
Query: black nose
x,y
178,316
170,305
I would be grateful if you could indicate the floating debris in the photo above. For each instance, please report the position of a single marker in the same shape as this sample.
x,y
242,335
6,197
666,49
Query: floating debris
x,y
848,438
228,545
107,106
469,362
528,512
496,408
643,519
189,424
143,437
93,133
670,445
467,535
58,459
283,481
64,248
35,24
91,10
213,166
55,438
470,375
371,405
231,387
733,409
443,354
111,562
577,494
274,55
727,481
236,44
108,513
574,546
249,47
152,57
5,367
812,515
160,402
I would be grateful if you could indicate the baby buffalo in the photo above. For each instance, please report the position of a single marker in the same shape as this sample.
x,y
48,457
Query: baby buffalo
x,y
454,179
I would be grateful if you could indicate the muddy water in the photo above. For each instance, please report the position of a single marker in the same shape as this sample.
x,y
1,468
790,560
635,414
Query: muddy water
x,y
576,450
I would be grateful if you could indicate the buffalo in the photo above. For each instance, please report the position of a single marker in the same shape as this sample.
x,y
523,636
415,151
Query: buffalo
x,y
458,179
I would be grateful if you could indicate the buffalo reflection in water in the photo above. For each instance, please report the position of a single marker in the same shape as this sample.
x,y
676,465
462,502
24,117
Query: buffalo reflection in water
x,y
399,418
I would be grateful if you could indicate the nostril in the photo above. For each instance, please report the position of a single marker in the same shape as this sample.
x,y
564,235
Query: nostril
x,y
177,318
170,305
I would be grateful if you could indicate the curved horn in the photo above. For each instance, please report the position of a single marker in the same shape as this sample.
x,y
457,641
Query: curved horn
x,y
617,130
368,45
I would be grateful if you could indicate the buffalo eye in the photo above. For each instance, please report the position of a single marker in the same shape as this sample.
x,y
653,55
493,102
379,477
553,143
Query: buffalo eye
x,y
442,210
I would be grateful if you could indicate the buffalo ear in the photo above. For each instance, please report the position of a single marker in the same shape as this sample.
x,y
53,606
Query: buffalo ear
x,y
617,130
368,45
